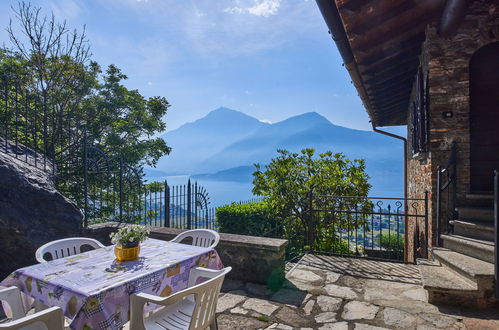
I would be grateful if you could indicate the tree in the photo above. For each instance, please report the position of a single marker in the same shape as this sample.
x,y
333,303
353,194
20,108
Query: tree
x,y
48,70
51,90
298,185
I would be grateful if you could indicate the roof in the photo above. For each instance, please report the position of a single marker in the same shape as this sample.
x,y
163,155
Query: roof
x,y
380,42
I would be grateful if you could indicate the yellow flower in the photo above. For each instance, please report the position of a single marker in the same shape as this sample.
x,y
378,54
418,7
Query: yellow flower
x,y
92,303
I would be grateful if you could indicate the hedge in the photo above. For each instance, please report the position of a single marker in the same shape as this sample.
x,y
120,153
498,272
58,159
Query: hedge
x,y
254,219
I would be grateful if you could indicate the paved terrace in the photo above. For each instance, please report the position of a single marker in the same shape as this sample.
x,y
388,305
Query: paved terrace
x,y
323,292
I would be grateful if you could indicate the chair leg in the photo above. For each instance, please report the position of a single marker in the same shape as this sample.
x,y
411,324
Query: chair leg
x,y
214,324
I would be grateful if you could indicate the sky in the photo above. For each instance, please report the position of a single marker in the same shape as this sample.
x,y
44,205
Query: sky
x,y
270,59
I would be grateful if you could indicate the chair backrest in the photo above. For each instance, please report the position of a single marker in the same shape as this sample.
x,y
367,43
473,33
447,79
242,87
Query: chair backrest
x,y
204,296
65,247
200,237
12,296
50,319
205,300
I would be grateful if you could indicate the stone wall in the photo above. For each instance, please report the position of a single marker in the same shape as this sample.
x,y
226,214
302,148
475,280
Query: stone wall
x,y
253,259
32,212
446,61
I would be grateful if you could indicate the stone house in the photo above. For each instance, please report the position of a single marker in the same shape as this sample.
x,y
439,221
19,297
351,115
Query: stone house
x,y
433,65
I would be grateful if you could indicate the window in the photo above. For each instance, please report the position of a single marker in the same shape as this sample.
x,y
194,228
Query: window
x,y
419,122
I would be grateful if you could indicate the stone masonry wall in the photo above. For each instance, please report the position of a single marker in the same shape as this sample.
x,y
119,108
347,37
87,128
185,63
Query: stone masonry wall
x,y
446,61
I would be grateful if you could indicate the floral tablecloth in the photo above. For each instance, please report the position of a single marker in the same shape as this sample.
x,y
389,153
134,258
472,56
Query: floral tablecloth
x,y
94,290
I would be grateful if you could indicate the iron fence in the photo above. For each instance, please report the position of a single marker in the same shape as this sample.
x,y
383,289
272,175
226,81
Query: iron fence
x,y
36,132
372,227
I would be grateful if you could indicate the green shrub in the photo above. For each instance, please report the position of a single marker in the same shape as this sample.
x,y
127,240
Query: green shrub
x,y
392,243
254,219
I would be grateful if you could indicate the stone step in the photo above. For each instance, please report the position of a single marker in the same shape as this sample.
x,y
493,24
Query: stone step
x,y
481,196
472,268
483,250
475,213
474,229
445,286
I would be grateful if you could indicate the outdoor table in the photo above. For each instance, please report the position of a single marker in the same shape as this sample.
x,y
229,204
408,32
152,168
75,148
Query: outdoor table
x,y
94,290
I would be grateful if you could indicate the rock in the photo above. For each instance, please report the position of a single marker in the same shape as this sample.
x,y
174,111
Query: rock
x,y
362,326
32,211
356,310
305,276
239,310
397,318
329,304
428,327
239,322
340,291
309,306
279,326
416,294
229,300
325,317
332,277
290,297
260,306
440,321
292,317
335,326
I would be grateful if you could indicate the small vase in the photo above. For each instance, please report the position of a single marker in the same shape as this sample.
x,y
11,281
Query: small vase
x,y
126,253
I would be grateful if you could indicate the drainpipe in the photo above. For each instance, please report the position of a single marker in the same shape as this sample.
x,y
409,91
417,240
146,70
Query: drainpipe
x,y
406,225
451,17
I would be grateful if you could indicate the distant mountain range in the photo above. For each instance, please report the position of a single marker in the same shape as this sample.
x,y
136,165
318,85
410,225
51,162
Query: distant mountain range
x,y
224,144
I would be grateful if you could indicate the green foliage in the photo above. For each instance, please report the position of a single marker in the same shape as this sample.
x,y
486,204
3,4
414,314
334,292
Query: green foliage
x,y
254,219
299,186
48,72
129,235
392,243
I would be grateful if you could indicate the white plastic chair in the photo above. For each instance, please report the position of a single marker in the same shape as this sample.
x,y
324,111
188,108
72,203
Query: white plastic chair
x,y
193,308
200,237
65,247
48,319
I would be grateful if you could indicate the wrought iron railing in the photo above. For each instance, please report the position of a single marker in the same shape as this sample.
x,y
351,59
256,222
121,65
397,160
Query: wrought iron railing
x,y
372,227
446,193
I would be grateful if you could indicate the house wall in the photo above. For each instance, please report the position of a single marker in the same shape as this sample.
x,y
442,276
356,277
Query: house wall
x,y
446,61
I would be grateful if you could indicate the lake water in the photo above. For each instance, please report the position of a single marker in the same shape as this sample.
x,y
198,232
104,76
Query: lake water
x,y
225,192
220,192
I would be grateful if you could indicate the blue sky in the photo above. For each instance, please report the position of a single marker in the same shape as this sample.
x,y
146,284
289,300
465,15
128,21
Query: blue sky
x,y
268,58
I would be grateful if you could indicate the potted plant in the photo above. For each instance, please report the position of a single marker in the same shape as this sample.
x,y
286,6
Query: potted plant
x,y
127,241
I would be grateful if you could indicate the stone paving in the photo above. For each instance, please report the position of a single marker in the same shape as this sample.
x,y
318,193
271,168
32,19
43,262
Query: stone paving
x,y
323,292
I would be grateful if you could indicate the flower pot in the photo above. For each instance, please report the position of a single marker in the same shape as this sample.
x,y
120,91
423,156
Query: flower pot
x,y
126,253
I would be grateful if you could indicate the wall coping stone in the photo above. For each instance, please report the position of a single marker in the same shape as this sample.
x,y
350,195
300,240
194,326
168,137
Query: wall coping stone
x,y
263,243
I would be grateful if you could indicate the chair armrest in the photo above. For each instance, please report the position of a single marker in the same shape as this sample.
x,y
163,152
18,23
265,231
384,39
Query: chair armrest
x,y
12,296
52,317
197,272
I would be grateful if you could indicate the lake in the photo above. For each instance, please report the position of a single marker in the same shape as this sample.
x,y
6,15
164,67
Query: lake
x,y
225,192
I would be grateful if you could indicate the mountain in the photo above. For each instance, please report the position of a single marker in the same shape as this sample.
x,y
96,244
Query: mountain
x,y
194,142
236,174
223,146
307,130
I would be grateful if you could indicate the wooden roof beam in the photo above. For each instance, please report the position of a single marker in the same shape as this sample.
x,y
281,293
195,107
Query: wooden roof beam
x,y
389,85
416,18
380,56
395,64
373,13
394,73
